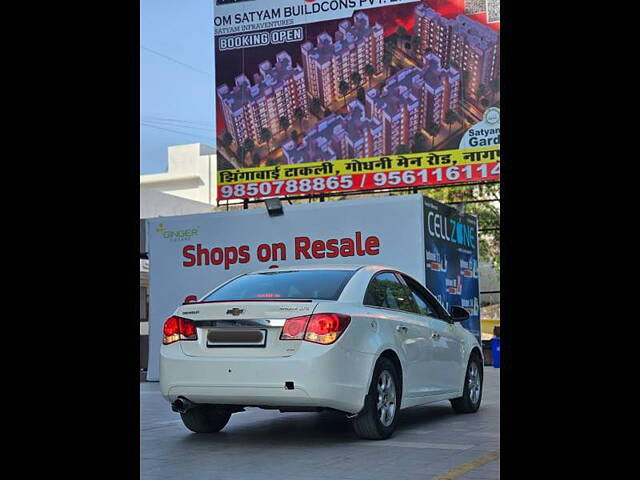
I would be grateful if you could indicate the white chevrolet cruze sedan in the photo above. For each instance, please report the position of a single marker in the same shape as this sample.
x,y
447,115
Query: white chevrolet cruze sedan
x,y
363,340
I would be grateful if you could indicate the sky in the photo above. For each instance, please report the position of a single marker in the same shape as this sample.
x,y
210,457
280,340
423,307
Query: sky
x,y
176,78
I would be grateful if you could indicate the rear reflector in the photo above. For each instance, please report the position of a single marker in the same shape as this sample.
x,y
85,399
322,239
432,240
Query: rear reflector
x,y
294,328
323,328
178,328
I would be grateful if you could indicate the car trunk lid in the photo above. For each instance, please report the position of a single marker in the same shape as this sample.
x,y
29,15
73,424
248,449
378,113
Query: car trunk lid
x,y
242,328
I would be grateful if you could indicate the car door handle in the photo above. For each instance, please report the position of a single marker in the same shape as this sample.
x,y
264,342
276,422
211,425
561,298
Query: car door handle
x,y
435,336
401,328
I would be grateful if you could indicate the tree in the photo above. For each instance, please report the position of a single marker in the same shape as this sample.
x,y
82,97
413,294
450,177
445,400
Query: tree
x,y
344,89
294,136
285,123
450,118
316,104
299,114
387,58
247,147
401,32
256,159
494,85
488,214
482,89
272,162
241,153
226,139
356,78
369,71
415,42
265,136
433,129
402,149
327,112
464,78
484,101
419,143
360,94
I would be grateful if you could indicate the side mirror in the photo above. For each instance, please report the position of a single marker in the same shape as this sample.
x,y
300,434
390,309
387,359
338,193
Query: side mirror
x,y
459,314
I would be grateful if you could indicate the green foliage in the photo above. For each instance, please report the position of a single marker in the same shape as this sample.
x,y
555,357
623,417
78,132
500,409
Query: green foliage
x,y
494,84
356,78
285,123
226,139
343,86
316,104
369,70
299,113
265,135
249,144
402,149
419,143
488,214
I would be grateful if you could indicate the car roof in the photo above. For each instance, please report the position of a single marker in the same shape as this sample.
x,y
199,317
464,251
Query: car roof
x,y
336,266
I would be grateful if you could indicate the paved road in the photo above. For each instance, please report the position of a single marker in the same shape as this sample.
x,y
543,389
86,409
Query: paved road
x,y
431,442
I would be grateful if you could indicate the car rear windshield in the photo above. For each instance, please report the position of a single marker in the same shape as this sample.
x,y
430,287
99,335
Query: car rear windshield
x,y
292,285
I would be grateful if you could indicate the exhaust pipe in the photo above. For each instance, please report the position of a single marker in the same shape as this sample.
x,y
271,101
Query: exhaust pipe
x,y
182,405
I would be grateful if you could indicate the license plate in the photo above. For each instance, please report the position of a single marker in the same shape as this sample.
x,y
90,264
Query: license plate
x,y
229,337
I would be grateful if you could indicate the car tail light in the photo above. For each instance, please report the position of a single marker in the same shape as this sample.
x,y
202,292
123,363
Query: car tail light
x,y
178,328
323,328
294,328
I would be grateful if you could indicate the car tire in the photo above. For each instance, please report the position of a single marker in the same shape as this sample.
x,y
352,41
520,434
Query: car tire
x,y
471,397
369,423
205,419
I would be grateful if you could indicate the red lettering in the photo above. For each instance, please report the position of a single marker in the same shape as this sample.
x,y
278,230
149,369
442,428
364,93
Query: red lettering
x,y
244,254
332,248
302,245
359,250
202,252
217,256
371,245
186,252
279,251
230,257
347,247
264,252
317,249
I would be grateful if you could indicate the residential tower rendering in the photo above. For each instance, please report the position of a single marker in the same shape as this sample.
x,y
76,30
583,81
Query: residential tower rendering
x,y
413,99
336,136
356,45
471,46
278,91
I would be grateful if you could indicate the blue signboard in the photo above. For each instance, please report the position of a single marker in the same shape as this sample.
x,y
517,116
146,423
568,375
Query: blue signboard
x,y
451,244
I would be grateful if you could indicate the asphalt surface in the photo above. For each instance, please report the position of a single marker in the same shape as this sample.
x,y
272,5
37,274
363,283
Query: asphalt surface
x,y
430,442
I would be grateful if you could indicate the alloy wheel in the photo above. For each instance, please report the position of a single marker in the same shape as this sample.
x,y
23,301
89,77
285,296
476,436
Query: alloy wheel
x,y
474,383
386,403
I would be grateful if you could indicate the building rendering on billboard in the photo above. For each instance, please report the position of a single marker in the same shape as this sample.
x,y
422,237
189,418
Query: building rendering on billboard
x,y
304,83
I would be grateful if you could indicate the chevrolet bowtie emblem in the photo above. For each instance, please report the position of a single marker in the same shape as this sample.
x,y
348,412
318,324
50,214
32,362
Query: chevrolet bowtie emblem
x,y
235,311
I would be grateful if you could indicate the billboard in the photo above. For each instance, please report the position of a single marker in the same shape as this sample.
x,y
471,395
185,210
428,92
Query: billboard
x,y
316,96
451,260
189,255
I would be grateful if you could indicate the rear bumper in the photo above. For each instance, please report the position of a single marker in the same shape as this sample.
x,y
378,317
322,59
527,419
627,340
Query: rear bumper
x,y
323,376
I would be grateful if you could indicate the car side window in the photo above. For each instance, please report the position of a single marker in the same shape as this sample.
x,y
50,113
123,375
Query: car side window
x,y
426,305
385,290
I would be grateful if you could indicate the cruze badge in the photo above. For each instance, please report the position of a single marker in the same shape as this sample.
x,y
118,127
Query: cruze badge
x,y
235,311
